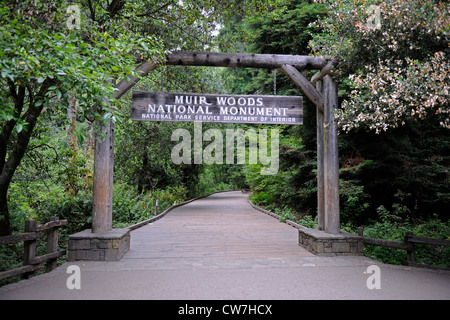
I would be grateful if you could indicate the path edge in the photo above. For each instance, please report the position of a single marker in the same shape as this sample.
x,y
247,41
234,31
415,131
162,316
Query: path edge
x,y
276,216
162,214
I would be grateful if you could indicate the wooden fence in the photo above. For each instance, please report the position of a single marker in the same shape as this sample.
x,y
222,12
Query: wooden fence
x,y
408,245
32,233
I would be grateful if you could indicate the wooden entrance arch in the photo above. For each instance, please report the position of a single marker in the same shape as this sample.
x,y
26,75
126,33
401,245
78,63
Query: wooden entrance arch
x,y
321,90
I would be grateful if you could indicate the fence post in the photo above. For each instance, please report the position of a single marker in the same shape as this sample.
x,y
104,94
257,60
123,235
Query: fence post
x,y
29,247
52,245
361,231
410,254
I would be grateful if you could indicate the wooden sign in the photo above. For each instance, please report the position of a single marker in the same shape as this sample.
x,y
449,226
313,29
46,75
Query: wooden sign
x,y
191,107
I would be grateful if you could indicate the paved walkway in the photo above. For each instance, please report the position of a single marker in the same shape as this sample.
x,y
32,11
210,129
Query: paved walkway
x,y
220,247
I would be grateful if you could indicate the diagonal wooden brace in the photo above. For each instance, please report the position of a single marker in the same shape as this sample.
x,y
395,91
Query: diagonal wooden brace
x,y
128,82
308,89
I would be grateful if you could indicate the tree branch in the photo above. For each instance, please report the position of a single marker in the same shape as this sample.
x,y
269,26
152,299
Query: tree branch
x,y
91,8
155,11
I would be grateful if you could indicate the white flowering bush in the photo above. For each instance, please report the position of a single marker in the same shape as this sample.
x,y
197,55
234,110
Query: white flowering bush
x,y
388,95
396,60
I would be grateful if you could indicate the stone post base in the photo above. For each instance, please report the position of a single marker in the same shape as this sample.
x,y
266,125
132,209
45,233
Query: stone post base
x,y
110,246
325,244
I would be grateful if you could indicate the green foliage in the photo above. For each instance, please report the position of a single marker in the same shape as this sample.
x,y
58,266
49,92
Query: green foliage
x,y
77,210
388,180
286,28
393,227
216,177
353,201
309,222
262,199
391,183
129,207
40,53
399,70
11,257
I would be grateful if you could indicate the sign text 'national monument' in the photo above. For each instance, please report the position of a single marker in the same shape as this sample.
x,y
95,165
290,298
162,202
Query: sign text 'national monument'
x,y
191,107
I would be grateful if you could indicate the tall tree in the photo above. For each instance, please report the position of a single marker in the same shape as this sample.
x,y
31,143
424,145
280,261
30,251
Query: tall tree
x,y
42,61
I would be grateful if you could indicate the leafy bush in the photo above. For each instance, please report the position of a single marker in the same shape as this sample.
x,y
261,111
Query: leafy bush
x,y
433,255
77,210
129,207
392,227
11,257
262,198
309,221
353,201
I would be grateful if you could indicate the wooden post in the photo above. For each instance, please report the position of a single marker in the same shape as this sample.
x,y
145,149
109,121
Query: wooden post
x,y
326,99
103,180
52,245
320,165
410,254
331,159
361,231
29,247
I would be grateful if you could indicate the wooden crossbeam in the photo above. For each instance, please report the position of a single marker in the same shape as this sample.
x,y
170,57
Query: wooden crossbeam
x,y
244,60
218,59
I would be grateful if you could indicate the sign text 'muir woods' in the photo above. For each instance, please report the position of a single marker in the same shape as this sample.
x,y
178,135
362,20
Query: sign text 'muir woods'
x,y
189,107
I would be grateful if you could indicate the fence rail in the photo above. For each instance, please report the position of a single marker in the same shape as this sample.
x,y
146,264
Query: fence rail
x,y
408,245
32,233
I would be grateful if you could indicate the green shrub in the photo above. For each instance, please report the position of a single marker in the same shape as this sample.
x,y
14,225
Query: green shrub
x,y
353,201
391,227
309,221
77,210
262,198
129,207
433,255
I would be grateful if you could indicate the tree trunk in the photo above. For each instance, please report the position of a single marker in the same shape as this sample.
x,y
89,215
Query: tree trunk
x,y
5,225
9,166
89,156
142,178
6,176
72,142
